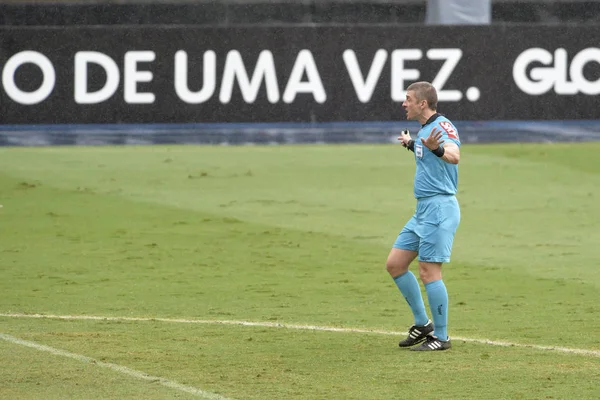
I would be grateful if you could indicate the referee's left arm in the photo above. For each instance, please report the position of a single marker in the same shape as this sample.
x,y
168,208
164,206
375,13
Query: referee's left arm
x,y
451,152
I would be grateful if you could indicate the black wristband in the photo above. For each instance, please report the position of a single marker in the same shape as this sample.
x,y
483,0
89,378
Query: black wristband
x,y
411,145
439,151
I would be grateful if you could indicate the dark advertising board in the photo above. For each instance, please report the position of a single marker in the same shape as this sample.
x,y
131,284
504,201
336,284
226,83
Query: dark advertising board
x,y
187,74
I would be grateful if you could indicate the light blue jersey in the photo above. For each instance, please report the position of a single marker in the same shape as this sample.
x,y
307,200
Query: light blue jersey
x,y
433,175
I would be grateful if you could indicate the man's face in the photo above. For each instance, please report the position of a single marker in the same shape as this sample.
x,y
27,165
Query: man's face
x,y
413,107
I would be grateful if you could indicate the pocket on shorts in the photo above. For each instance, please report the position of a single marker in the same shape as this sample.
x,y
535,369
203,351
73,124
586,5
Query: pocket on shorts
x,y
431,214
450,214
439,212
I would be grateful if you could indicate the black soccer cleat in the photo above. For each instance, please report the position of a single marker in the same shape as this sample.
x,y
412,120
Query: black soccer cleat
x,y
417,334
432,343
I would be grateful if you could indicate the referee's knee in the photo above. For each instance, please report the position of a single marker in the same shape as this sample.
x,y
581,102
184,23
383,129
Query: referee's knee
x,y
398,262
395,269
430,271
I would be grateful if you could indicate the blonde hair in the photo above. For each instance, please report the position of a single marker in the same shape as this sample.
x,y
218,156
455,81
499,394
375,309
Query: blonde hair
x,y
425,91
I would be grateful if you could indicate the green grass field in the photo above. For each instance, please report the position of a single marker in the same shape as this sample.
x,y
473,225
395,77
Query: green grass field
x,y
296,235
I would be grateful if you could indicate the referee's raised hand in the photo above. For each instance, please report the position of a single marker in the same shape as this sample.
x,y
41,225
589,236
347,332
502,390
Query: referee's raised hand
x,y
434,140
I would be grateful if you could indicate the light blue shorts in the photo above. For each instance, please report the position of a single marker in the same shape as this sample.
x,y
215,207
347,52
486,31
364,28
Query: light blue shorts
x,y
430,231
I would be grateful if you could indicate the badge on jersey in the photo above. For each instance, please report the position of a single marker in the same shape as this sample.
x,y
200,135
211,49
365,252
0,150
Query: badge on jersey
x,y
450,130
419,150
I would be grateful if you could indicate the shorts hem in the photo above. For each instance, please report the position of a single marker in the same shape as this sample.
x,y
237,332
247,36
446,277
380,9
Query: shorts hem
x,y
435,259
404,248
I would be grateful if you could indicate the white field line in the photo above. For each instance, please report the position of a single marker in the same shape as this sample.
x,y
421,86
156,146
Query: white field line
x,y
115,367
584,352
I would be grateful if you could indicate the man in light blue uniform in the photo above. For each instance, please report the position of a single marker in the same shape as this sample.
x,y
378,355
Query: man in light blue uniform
x,y
429,234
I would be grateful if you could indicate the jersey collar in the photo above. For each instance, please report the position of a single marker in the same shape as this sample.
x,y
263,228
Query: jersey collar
x,y
431,119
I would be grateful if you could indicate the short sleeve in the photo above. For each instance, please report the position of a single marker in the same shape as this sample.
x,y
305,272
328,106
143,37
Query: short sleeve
x,y
449,131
